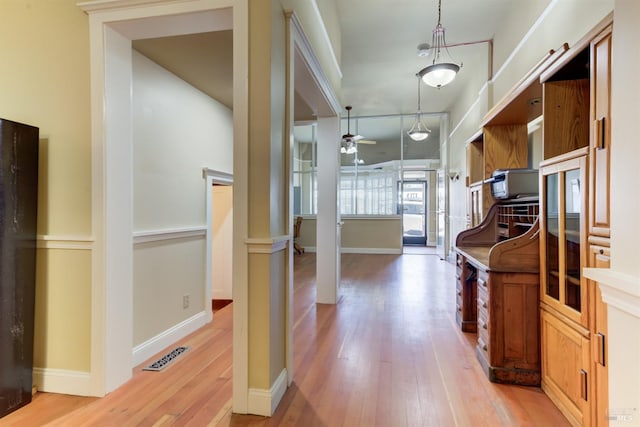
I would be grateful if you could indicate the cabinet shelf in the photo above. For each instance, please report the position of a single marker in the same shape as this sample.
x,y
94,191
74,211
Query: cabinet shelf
x,y
573,280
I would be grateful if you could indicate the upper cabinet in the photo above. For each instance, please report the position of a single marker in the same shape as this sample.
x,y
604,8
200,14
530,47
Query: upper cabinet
x,y
504,140
599,216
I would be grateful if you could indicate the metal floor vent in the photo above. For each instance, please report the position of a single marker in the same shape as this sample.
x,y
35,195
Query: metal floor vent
x,y
165,360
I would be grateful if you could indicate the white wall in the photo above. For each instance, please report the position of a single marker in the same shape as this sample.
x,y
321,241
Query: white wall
x,y
222,240
177,131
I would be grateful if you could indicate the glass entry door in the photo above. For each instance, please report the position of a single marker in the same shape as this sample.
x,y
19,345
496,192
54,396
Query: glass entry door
x,y
414,230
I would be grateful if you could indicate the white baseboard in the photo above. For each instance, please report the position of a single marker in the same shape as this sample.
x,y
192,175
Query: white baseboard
x,y
382,251
264,402
169,337
61,381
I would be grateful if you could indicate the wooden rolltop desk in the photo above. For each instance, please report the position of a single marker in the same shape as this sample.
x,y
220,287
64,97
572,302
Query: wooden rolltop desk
x,y
498,281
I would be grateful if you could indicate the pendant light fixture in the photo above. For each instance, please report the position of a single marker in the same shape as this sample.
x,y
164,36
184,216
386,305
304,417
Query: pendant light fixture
x,y
348,144
439,74
419,131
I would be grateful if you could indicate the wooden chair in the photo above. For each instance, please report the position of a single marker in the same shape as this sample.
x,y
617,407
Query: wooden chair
x,y
296,232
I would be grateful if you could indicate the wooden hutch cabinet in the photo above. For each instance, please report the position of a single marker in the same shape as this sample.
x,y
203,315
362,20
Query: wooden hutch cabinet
x,y
498,259
574,224
494,284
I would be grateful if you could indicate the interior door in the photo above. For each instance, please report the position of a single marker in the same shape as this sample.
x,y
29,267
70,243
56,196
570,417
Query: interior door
x,y
414,204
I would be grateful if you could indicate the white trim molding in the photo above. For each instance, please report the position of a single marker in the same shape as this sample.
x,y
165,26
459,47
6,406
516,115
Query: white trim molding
x,y
113,24
375,251
217,177
525,38
327,39
47,241
77,383
303,45
264,402
619,290
167,338
140,237
269,245
380,251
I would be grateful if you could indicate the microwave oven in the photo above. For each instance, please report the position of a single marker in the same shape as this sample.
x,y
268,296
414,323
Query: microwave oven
x,y
513,183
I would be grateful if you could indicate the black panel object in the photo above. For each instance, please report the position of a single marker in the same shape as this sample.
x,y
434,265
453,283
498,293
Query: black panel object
x,y
18,207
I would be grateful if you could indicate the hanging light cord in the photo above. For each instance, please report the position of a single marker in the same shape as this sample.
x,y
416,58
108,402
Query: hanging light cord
x,y
418,113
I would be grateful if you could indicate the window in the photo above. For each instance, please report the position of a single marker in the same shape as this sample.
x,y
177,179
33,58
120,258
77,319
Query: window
x,y
369,177
368,191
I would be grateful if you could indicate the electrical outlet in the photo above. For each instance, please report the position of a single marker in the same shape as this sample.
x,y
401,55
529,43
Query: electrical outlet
x,y
185,301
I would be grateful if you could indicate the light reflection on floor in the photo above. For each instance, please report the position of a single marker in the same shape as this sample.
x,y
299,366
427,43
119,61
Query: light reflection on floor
x,y
419,250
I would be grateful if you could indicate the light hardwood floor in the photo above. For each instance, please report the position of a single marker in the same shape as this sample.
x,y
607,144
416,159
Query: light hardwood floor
x,y
388,354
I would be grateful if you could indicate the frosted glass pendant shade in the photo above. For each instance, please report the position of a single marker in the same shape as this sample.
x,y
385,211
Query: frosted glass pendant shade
x,y
441,74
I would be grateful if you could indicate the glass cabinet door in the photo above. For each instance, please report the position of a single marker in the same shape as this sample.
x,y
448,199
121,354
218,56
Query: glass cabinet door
x,y
552,287
562,241
572,219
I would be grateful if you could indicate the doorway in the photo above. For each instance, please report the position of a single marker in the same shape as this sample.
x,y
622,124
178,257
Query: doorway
x,y
219,238
414,207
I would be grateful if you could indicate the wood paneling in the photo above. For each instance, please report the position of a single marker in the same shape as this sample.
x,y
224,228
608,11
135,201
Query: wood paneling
x,y
565,368
566,116
505,147
475,162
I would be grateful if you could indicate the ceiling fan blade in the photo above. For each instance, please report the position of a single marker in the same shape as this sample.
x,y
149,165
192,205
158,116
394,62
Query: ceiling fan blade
x,y
366,141
350,137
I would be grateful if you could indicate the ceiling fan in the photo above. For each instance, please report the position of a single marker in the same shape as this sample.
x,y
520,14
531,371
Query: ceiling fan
x,y
349,144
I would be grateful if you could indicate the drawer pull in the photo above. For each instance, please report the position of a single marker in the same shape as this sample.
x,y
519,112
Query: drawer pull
x,y
583,384
457,277
482,283
459,308
483,304
484,325
459,293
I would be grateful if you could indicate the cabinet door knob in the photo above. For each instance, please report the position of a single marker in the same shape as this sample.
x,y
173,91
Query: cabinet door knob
x,y
601,251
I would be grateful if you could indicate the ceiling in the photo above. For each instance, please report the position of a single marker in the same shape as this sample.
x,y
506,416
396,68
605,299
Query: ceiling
x,y
379,54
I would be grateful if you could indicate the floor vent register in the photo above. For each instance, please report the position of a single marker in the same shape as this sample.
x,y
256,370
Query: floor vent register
x,y
165,360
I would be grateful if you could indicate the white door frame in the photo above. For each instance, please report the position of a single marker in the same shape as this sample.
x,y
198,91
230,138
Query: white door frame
x,y
219,178
312,85
112,26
